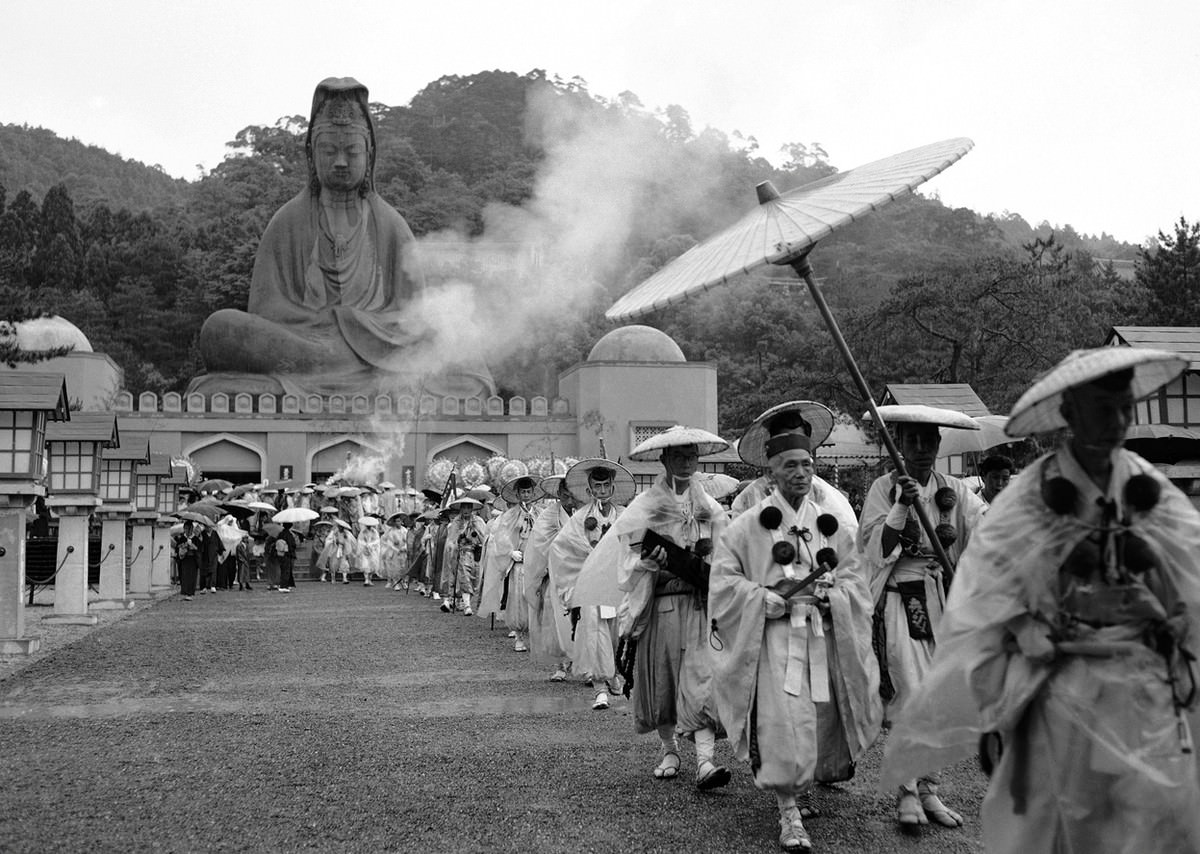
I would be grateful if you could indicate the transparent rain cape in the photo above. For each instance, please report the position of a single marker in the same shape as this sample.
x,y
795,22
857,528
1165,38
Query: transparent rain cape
x,y
1092,744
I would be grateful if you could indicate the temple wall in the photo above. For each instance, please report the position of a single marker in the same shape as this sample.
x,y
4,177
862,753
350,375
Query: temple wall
x,y
624,402
259,439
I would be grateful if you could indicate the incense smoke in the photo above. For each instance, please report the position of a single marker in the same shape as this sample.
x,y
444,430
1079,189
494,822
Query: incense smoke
x,y
609,178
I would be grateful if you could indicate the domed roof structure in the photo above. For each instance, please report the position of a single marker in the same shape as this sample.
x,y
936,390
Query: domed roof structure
x,y
49,333
636,343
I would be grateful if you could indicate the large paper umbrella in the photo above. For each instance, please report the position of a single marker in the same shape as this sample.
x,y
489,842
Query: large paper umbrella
x,y
262,506
295,514
782,230
989,435
216,485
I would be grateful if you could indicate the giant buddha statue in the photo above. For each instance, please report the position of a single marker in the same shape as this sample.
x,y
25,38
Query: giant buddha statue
x,y
334,282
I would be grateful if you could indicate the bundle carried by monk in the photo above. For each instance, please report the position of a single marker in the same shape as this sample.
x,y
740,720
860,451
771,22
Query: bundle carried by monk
x,y
688,565
827,561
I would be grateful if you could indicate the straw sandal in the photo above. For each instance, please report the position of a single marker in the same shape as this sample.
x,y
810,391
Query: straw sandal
x,y
668,766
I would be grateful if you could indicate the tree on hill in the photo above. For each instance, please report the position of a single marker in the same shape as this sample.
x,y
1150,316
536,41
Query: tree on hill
x,y
992,322
1170,272
139,261
36,159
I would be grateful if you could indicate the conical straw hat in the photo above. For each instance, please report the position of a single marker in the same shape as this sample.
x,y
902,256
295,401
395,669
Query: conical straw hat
x,y
919,413
624,483
676,437
509,491
752,447
1037,411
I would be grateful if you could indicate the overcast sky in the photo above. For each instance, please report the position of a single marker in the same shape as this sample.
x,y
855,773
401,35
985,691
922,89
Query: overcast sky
x,y
1082,112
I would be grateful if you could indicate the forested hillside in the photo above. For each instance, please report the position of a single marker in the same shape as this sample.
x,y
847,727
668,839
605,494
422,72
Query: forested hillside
x,y
36,159
530,184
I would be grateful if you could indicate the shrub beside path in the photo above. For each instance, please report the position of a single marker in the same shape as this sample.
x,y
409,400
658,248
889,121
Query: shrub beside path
x,y
344,718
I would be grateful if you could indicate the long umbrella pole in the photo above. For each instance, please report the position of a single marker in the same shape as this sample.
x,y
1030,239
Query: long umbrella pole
x,y
804,270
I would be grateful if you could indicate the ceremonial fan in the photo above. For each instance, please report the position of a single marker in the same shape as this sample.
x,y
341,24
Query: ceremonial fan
x,y
782,230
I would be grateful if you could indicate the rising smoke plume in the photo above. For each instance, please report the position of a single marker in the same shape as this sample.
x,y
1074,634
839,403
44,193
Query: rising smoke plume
x,y
608,176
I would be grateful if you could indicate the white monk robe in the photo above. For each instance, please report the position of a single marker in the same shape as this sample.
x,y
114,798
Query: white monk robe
x,y
1093,759
823,492
673,668
368,551
905,635
393,553
485,582
594,648
549,624
501,573
798,695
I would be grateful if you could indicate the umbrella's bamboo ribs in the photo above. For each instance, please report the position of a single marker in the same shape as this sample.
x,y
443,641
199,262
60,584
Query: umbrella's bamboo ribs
x,y
804,270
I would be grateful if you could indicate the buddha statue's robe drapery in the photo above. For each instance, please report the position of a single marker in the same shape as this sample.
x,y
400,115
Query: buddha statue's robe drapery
x,y
335,308
322,322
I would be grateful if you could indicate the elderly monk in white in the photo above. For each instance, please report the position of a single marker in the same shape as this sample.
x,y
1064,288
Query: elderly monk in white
x,y
796,680
823,492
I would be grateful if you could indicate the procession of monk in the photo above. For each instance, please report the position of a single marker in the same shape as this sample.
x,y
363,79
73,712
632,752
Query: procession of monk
x,y
1049,627
1049,631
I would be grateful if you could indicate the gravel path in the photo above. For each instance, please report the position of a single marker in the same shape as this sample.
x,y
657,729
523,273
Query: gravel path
x,y
342,718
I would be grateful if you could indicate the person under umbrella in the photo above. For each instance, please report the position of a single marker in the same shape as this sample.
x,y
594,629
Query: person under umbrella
x,y
340,546
796,681
229,535
368,548
320,531
1071,633
996,470
283,546
187,547
665,536
908,583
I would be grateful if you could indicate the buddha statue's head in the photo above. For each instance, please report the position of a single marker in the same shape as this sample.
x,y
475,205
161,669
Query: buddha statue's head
x,y
340,144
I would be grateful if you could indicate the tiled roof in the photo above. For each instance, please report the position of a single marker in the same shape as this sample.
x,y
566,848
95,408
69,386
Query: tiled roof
x,y
1184,340
38,392
86,427
159,466
131,448
957,396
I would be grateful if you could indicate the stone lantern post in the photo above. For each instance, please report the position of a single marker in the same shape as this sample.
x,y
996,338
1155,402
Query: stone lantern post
x,y
118,468
74,449
146,484
27,401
